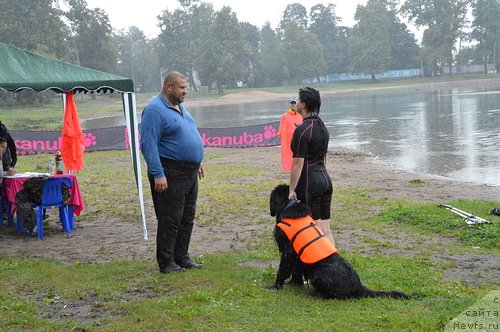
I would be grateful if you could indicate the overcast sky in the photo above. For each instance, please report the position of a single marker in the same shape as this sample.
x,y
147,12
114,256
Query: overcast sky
x,y
142,14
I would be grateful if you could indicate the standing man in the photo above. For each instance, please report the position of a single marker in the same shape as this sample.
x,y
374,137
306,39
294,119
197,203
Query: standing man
x,y
173,150
288,122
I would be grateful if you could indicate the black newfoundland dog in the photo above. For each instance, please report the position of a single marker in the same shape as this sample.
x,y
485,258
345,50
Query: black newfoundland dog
x,y
331,277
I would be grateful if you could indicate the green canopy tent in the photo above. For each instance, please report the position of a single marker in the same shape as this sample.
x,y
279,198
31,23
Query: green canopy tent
x,y
20,70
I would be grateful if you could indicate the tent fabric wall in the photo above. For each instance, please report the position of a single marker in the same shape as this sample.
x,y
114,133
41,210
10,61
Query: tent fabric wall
x,y
21,70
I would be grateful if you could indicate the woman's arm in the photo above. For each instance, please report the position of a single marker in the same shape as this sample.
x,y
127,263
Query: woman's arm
x,y
297,164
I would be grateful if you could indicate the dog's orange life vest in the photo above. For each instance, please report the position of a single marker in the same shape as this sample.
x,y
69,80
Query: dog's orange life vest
x,y
307,239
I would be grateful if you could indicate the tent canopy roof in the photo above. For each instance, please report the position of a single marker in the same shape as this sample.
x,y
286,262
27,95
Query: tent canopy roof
x,y
24,70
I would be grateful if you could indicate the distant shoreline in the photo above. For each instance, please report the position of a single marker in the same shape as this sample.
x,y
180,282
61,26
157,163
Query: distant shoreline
x,y
255,96
259,96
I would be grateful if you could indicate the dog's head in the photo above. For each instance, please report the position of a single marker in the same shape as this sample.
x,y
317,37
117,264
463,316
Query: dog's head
x,y
278,199
280,206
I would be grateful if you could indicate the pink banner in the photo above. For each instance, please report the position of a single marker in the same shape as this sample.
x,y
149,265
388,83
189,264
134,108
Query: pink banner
x,y
116,138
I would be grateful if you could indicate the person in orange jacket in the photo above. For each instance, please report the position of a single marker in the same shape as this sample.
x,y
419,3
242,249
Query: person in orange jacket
x,y
288,122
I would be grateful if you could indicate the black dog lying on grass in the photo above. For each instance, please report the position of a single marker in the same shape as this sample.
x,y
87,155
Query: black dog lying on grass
x,y
313,257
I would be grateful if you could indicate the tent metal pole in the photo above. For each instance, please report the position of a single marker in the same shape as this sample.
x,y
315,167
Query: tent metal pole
x,y
129,107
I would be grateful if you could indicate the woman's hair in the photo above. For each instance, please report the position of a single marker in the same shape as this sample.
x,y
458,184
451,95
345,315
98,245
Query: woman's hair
x,y
311,98
3,130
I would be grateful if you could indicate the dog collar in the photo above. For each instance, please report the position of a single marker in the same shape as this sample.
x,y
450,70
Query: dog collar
x,y
290,203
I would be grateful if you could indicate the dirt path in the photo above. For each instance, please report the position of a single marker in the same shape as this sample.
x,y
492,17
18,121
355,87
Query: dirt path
x,y
108,240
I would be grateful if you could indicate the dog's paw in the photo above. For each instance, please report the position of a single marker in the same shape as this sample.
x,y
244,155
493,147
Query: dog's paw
x,y
296,282
274,287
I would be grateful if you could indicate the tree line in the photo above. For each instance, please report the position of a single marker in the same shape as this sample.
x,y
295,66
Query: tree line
x,y
215,50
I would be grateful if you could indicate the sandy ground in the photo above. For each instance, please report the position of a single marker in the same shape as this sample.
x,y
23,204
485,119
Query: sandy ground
x,y
109,240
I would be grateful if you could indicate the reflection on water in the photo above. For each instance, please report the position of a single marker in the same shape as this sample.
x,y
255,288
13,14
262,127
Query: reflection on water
x,y
453,133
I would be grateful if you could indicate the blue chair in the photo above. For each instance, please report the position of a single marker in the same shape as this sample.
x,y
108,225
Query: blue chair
x,y
52,197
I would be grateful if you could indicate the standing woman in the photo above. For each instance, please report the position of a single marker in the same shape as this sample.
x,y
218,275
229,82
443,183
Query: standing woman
x,y
309,180
9,158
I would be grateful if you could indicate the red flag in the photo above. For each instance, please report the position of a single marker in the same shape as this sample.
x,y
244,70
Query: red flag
x,y
72,146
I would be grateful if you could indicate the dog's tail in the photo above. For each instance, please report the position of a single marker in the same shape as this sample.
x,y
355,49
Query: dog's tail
x,y
392,294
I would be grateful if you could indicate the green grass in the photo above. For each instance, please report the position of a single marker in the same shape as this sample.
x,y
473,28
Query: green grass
x,y
228,295
225,296
431,218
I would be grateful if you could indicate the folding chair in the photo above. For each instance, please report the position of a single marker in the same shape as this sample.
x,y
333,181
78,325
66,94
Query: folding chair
x,y
52,197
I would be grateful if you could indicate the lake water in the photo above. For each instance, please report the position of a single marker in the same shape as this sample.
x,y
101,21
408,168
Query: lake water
x,y
453,133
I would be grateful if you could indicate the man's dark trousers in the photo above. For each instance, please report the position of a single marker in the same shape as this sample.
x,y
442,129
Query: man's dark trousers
x,y
175,209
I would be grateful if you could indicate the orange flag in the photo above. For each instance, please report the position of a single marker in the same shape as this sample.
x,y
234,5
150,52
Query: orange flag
x,y
72,146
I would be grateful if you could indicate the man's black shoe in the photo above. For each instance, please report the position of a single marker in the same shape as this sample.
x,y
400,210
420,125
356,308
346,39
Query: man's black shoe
x,y
172,267
189,264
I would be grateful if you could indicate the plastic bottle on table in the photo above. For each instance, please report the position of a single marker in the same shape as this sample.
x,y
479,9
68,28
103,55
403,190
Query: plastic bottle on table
x,y
59,162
